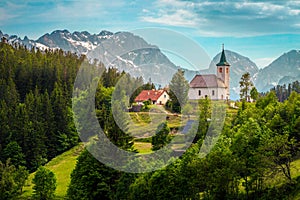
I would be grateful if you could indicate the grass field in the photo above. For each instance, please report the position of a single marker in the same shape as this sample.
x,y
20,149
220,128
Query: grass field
x,y
143,147
144,124
61,166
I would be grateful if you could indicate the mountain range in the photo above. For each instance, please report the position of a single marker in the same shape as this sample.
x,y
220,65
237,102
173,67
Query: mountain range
x,y
283,70
133,54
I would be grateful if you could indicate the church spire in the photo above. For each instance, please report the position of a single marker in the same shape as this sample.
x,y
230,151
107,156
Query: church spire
x,y
223,61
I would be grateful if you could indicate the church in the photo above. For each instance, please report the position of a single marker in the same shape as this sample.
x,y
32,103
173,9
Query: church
x,y
215,87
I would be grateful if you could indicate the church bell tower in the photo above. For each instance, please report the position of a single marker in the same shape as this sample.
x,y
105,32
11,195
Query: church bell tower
x,y
223,71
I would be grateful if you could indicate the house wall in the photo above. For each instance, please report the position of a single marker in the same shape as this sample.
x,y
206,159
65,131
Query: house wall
x,y
163,98
218,92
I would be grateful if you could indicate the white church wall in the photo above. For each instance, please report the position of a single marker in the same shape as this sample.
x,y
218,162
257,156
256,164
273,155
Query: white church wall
x,y
212,93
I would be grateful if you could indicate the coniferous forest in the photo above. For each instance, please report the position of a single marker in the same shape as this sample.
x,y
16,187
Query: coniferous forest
x,y
256,156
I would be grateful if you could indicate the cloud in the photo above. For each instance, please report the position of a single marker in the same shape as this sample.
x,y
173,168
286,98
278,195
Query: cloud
x,y
178,17
172,13
204,18
227,18
10,10
4,16
38,11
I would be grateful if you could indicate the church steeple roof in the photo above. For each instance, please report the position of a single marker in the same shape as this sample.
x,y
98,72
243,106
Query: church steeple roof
x,y
223,61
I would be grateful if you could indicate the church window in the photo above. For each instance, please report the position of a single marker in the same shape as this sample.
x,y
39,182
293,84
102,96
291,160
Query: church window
x,y
199,92
227,70
213,93
220,70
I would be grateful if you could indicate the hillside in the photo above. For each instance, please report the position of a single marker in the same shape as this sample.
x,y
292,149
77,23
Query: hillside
x,y
62,166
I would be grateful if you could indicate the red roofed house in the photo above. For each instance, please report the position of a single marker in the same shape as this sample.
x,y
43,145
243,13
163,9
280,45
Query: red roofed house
x,y
216,87
159,97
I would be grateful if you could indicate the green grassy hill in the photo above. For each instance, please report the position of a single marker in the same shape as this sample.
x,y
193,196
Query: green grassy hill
x,y
61,166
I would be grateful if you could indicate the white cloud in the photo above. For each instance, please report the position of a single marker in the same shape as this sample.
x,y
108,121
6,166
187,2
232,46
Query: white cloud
x,y
173,13
145,10
74,10
172,3
11,11
4,16
260,6
227,18
179,17
294,12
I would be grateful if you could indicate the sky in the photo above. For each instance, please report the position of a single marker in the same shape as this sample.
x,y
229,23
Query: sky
x,y
261,30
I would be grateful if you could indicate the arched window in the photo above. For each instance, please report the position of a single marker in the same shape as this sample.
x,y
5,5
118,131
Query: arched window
x,y
227,70
199,92
213,93
220,70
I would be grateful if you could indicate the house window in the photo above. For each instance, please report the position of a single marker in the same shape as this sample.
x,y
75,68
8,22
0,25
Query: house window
x,y
222,96
220,70
165,96
199,92
213,93
227,70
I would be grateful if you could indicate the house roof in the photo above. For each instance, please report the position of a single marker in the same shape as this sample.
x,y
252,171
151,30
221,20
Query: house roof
x,y
149,94
207,81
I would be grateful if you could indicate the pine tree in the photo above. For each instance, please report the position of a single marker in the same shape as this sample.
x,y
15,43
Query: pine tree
x,y
34,136
179,88
12,180
245,86
13,151
91,179
254,93
160,139
49,126
44,184
5,133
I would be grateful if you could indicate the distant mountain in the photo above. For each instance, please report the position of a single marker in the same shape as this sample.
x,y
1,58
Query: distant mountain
x,y
77,42
239,65
122,50
133,54
288,79
283,70
26,41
